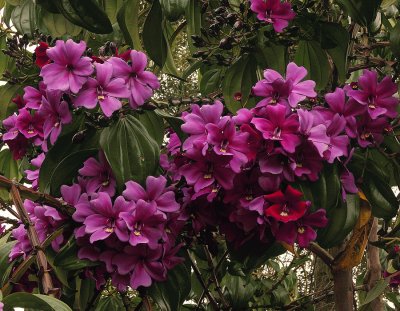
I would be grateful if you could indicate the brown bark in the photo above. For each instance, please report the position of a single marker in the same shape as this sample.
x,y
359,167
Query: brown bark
x,y
343,288
373,267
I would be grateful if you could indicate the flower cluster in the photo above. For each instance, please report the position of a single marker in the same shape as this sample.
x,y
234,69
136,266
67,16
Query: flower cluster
x,y
251,161
274,12
72,80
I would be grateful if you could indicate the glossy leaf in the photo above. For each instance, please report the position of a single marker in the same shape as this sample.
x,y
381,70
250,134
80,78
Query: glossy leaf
x,y
108,303
111,7
132,153
5,270
87,14
7,93
57,25
335,40
174,9
23,17
67,258
153,123
395,40
128,22
171,294
272,56
362,12
34,302
239,78
310,55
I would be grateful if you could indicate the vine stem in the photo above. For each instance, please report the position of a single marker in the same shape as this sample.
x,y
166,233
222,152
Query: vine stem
x,y
44,272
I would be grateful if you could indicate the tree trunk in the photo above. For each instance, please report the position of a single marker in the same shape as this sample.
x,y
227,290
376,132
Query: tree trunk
x,y
343,288
373,267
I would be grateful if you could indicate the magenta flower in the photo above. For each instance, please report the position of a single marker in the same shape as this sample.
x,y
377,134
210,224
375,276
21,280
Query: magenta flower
x,y
227,141
376,96
11,128
103,90
156,194
30,125
196,121
33,97
141,83
33,175
276,162
274,12
99,175
371,131
306,161
302,230
56,113
69,70
106,219
23,245
338,145
349,110
145,224
286,207
290,91
313,131
277,127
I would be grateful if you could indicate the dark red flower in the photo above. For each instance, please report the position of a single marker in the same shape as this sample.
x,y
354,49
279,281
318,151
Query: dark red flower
x,y
41,55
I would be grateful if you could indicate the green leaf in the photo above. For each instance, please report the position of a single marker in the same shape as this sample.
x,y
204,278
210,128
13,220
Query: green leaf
x,y
310,55
67,258
174,122
6,62
128,22
34,302
153,123
7,93
111,7
395,39
87,14
240,291
174,9
361,11
85,290
23,17
239,78
65,158
108,303
375,292
8,166
272,56
5,270
194,22
335,40
171,294
210,81
131,152
57,25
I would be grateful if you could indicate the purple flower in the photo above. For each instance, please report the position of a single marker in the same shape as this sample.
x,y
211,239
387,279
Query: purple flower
x,y
349,110
227,141
275,126
156,194
339,144
289,92
56,113
286,206
69,70
141,83
145,224
103,90
33,97
23,245
106,219
376,96
196,121
99,175
30,125
33,175
313,131
371,131
274,12
302,230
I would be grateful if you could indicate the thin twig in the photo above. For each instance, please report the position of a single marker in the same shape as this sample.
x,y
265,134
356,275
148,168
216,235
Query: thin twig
x,y
321,253
200,279
44,273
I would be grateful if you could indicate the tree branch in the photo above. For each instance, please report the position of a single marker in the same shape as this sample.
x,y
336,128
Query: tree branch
x,y
321,253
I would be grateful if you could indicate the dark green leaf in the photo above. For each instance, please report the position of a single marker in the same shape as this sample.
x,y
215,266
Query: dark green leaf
x,y
23,17
239,78
131,152
67,258
5,270
375,292
171,294
8,166
174,9
111,7
174,122
240,292
108,303
210,81
128,22
34,302
7,93
57,25
395,40
272,56
361,11
153,123
193,18
310,55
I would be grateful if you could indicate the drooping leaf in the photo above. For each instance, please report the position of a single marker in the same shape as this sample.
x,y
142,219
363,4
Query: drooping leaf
x,y
174,122
34,302
395,40
171,294
362,12
8,166
130,150
335,40
23,17
194,22
7,93
153,123
210,81
174,9
375,292
310,55
128,22
57,25
111,7
240,291
5,270
67,258
239,78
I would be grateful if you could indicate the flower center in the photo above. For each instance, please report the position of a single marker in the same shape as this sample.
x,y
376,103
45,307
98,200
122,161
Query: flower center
x,y
285,210
300,230
277,133
365,136
224,146
70,67
105,183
